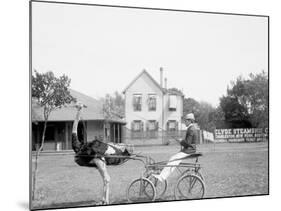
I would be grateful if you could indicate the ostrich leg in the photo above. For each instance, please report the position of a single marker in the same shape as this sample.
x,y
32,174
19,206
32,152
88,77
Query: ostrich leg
x,y
105,177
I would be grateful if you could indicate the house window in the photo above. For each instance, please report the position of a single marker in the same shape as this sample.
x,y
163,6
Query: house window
x,y
172,125
137,102
137,125
152,125
151,102
172,102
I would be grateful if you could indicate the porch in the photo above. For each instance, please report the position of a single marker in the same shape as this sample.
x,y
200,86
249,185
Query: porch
x,y
58,133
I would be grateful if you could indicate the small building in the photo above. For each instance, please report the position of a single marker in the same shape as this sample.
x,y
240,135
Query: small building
x,y
151,107
59,127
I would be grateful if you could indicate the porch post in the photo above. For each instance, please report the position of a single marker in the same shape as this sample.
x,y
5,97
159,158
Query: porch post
x,y
37,137
56,138
86,131
114,133
118,136
104,135
66,135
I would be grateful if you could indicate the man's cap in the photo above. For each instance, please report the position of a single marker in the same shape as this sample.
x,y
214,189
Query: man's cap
x,y
190,116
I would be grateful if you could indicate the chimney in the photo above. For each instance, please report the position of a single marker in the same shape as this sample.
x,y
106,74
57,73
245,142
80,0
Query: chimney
x,y
161,77
165,83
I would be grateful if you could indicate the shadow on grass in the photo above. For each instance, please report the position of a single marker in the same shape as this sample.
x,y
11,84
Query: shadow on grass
x,y
162,199
94,203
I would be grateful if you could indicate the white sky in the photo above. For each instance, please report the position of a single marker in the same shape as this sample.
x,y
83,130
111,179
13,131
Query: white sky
x,y
102,49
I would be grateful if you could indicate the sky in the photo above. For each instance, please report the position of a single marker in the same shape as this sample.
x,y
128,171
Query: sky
x,y
102,49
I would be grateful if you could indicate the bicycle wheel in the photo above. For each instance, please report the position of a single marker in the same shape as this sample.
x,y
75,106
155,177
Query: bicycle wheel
x,y
189,186
160,187
141,190
200,175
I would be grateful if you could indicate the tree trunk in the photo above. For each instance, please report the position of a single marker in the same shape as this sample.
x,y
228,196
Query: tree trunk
x,y
36,160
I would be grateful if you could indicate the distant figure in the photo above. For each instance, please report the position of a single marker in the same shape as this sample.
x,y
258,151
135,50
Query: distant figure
x,y
93,154
188,147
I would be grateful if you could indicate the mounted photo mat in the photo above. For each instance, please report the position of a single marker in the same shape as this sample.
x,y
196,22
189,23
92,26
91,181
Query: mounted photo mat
x,y
142,105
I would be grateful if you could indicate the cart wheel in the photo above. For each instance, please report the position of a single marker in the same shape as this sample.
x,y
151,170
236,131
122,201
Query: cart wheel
x,y
200,175
194,172
141,190
160,187
189,186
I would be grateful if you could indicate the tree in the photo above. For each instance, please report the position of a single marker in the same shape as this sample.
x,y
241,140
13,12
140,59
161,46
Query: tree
x,y
119,104
206,116
246,102
191,106
204,113
50,93
175,90
219,118
114,105
235,114
257,96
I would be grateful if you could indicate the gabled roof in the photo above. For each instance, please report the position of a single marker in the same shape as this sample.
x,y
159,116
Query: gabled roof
x,y
93,111
149,76
174,92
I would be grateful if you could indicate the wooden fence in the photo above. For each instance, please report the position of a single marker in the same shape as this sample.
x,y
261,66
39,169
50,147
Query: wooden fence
x,y
153,137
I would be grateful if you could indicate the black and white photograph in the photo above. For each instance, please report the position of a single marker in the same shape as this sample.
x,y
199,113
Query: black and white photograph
x,y
134,105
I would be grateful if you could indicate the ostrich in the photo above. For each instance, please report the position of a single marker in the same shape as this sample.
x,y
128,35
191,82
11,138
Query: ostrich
x,y
93,154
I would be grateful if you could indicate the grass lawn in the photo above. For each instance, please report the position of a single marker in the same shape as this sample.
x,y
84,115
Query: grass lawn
x,y
229,170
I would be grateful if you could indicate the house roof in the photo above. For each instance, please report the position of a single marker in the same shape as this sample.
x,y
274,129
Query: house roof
x,y
149,76
174,92
92,112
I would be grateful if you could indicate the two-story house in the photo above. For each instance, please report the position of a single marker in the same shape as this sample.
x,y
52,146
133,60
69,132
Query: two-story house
x,y
151,107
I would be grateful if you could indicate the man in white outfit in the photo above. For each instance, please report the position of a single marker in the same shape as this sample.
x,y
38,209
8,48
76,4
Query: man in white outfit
x,y
188,147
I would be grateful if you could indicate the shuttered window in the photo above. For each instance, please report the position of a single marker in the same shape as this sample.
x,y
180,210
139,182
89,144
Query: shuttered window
x,y
172,125
137,125
172,102
151,102
137,99
152,125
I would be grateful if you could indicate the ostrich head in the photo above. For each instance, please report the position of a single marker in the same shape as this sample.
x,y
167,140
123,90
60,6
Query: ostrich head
x,y
80,105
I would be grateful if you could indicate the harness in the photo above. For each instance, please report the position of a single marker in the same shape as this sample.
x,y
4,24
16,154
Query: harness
x,y
97,149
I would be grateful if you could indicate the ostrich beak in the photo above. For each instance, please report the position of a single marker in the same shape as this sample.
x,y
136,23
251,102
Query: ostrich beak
x,y
80,105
